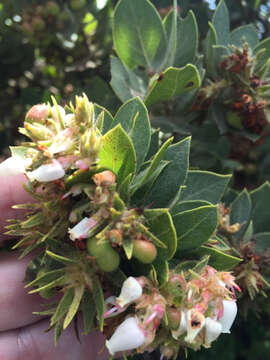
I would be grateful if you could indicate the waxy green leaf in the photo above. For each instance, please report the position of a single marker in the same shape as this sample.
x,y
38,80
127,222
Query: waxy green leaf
x,y
161,225
204,185
248,33
74,306
221,23
125,82
260,198
195,227
168,183
63,306
173,82
133,117
218,259
241,211
187,40
117,153
88,311
99,301
137,32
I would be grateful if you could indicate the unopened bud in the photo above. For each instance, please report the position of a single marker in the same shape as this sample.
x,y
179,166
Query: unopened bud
x,y
104,178
38,113
131,291
114,236
84,111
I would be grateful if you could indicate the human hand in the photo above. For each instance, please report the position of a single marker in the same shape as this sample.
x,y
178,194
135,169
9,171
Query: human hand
x,y
22,335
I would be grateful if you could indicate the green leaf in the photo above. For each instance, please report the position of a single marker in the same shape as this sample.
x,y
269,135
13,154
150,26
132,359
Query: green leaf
x,y
74,306
58,331
210,41
241,211
143,177
161,225
246,32
187,40
194,227
260,198
188,205
218,259
265,44
162,272
217,114
204,185
170,24
124,188
117,153
60,258
46,278
174,81
168,183
141,192
221,23
57,282
133,117
33,220
154,144
107,120
99,301
201,264
125,83
262,242
128,245
137,32
88,311
63,306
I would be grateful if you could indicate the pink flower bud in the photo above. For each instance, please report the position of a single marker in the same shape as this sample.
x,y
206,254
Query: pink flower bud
x,y
127,336
38,113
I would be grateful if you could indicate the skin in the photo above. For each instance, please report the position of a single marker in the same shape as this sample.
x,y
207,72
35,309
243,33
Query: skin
x,y
22,335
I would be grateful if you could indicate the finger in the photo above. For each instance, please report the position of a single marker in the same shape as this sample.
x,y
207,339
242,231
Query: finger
x,y
33,343
11,193
16,304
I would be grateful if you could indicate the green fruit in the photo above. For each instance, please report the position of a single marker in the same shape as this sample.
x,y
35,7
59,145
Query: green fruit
x,y
144,251
77,4
106,257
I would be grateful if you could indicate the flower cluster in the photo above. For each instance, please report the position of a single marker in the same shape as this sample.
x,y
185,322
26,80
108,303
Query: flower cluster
x,y
188,313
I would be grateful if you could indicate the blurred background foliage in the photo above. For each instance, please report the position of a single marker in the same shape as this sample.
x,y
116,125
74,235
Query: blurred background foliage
x,y
62,48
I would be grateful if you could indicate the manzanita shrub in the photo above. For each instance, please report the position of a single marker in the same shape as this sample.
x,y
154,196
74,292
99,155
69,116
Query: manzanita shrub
x,y
151,251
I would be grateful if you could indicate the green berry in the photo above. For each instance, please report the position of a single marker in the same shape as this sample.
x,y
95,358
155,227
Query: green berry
x,y
144,251
105,256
